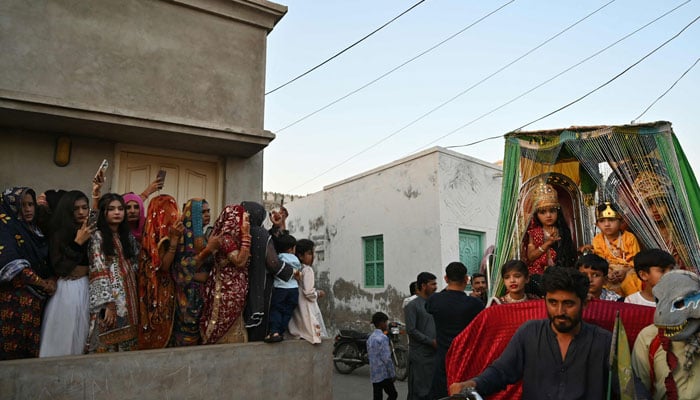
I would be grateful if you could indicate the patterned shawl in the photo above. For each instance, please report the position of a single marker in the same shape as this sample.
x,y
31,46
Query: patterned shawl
x,y
156,289
22,245
227,286
138,231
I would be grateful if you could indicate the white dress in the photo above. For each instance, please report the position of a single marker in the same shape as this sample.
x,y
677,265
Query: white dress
x,y
64,329
307,321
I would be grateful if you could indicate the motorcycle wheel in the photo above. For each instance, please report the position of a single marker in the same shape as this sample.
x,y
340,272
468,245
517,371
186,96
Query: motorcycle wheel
x,y
401,363
345,350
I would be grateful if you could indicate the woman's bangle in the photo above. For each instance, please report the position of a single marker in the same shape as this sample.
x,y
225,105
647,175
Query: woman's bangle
x,y
541,249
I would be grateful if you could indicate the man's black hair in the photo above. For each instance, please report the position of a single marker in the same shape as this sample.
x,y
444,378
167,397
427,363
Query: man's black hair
x,y
648,258
455,271
423,278
412,287
478,275
378,318
594,262
566,279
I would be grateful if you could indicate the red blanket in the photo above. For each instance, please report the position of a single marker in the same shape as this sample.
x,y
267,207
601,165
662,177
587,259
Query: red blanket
x,y
488,334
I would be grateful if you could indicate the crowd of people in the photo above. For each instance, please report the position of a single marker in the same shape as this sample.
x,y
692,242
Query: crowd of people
x,y
77,279
562,356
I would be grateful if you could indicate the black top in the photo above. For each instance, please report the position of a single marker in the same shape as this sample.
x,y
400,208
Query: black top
x,y
533,355
452,311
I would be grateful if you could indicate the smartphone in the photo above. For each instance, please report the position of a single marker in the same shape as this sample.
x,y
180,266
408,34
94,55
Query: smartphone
x,y
102,169
92,218
161,177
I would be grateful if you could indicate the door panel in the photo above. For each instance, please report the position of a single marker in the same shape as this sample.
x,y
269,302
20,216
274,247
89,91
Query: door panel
x,y
185,178
470,249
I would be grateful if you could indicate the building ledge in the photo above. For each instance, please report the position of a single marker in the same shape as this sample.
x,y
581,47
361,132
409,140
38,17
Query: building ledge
x,y
261,13
26,112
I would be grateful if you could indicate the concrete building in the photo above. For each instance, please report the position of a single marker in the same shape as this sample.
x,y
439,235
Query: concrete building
x,y
147,85
374,232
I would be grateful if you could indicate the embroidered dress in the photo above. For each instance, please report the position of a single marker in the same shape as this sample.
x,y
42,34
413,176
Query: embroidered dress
x,y
226,289
112,280
156,287
547,259
23,263
188,291
508,300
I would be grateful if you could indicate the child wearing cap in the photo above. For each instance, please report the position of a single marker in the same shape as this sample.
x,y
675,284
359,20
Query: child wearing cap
x,y
618,247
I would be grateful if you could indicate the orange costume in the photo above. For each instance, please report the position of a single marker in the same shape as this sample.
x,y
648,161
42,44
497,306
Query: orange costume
x,y
619,254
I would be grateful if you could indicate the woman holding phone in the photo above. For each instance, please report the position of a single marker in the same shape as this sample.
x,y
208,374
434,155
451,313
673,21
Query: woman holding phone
x,y
113,291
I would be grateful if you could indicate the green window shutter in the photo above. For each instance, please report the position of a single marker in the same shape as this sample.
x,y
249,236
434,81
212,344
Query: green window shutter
x,y
374,261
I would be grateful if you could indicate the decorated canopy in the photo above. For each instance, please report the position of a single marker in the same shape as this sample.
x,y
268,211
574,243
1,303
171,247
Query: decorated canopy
x,y
640,168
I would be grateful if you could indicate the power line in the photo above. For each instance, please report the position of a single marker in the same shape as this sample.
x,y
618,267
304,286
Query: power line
x,y
394,69
521,95
667,90
611,79
345,49
456,96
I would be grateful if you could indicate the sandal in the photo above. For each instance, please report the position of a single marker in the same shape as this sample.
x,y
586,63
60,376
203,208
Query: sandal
x,y
274,338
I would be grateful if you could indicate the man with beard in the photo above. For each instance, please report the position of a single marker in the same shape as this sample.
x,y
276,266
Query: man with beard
x,y
421,333
561,357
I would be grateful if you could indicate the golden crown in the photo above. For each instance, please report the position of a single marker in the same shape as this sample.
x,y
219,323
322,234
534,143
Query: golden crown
x,y
651,185
606,210
544,196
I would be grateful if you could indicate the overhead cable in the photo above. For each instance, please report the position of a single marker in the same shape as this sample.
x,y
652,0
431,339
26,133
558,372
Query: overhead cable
x,y
523,94
345,49
667,90
611,79
393,69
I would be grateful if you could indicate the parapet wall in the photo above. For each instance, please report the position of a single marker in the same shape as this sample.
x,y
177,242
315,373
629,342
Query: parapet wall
x,y
289,370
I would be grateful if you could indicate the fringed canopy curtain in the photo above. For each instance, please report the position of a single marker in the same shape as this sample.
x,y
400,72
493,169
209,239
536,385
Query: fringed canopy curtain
x,y
640,168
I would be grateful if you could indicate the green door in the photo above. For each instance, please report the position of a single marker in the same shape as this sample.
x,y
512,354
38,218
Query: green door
x,y
470,249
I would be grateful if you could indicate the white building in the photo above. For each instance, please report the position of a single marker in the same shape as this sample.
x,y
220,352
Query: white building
x,y
374,232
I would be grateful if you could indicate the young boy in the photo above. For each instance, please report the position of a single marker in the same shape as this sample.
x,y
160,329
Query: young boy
x,y
381,368
285,295
596,268
618,248
650,266
307,321
515,276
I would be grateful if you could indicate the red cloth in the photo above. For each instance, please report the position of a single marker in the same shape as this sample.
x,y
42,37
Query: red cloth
x,y
483,341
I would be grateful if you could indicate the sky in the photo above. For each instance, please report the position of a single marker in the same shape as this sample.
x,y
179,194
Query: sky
x,y
377,125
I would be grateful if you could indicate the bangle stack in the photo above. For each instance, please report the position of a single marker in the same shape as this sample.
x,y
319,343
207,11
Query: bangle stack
x,y
541,249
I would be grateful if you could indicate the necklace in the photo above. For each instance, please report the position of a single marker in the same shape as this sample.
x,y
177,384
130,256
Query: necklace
x,y
617,250
549,232
509,299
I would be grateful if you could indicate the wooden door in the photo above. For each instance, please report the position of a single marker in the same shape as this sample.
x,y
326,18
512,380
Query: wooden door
x,y
185,178
470,249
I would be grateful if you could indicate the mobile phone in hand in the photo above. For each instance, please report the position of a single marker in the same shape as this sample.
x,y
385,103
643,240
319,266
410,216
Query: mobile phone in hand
x,y
103,168
161,178
92,218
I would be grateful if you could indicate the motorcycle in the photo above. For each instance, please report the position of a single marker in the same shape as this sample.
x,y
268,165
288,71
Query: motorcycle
x,y
350,350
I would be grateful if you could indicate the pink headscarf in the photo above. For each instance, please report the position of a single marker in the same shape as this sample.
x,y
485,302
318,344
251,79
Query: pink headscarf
x,y
137,232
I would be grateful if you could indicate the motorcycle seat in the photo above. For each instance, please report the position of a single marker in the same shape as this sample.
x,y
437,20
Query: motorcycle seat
x,y
349,333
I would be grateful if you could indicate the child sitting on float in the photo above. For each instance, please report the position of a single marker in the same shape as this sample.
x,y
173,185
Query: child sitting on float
x,y
515,277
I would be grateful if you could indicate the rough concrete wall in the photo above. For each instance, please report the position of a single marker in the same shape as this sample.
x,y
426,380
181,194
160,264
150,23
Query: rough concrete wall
x,y
243,179
140,58
399,203
470,193
245,371
27,160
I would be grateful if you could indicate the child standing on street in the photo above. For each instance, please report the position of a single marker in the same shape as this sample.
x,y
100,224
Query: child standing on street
x,y
381,368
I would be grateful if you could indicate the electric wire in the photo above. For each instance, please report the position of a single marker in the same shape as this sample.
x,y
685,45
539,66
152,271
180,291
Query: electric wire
x,y
394,69
523,94
611,79
597,88
667,90
345,49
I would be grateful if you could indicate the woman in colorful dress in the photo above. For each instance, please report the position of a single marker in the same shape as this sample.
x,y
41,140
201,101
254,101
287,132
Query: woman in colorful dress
x,y
226,289
161,235
189,272
65,327
113,290
24,275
